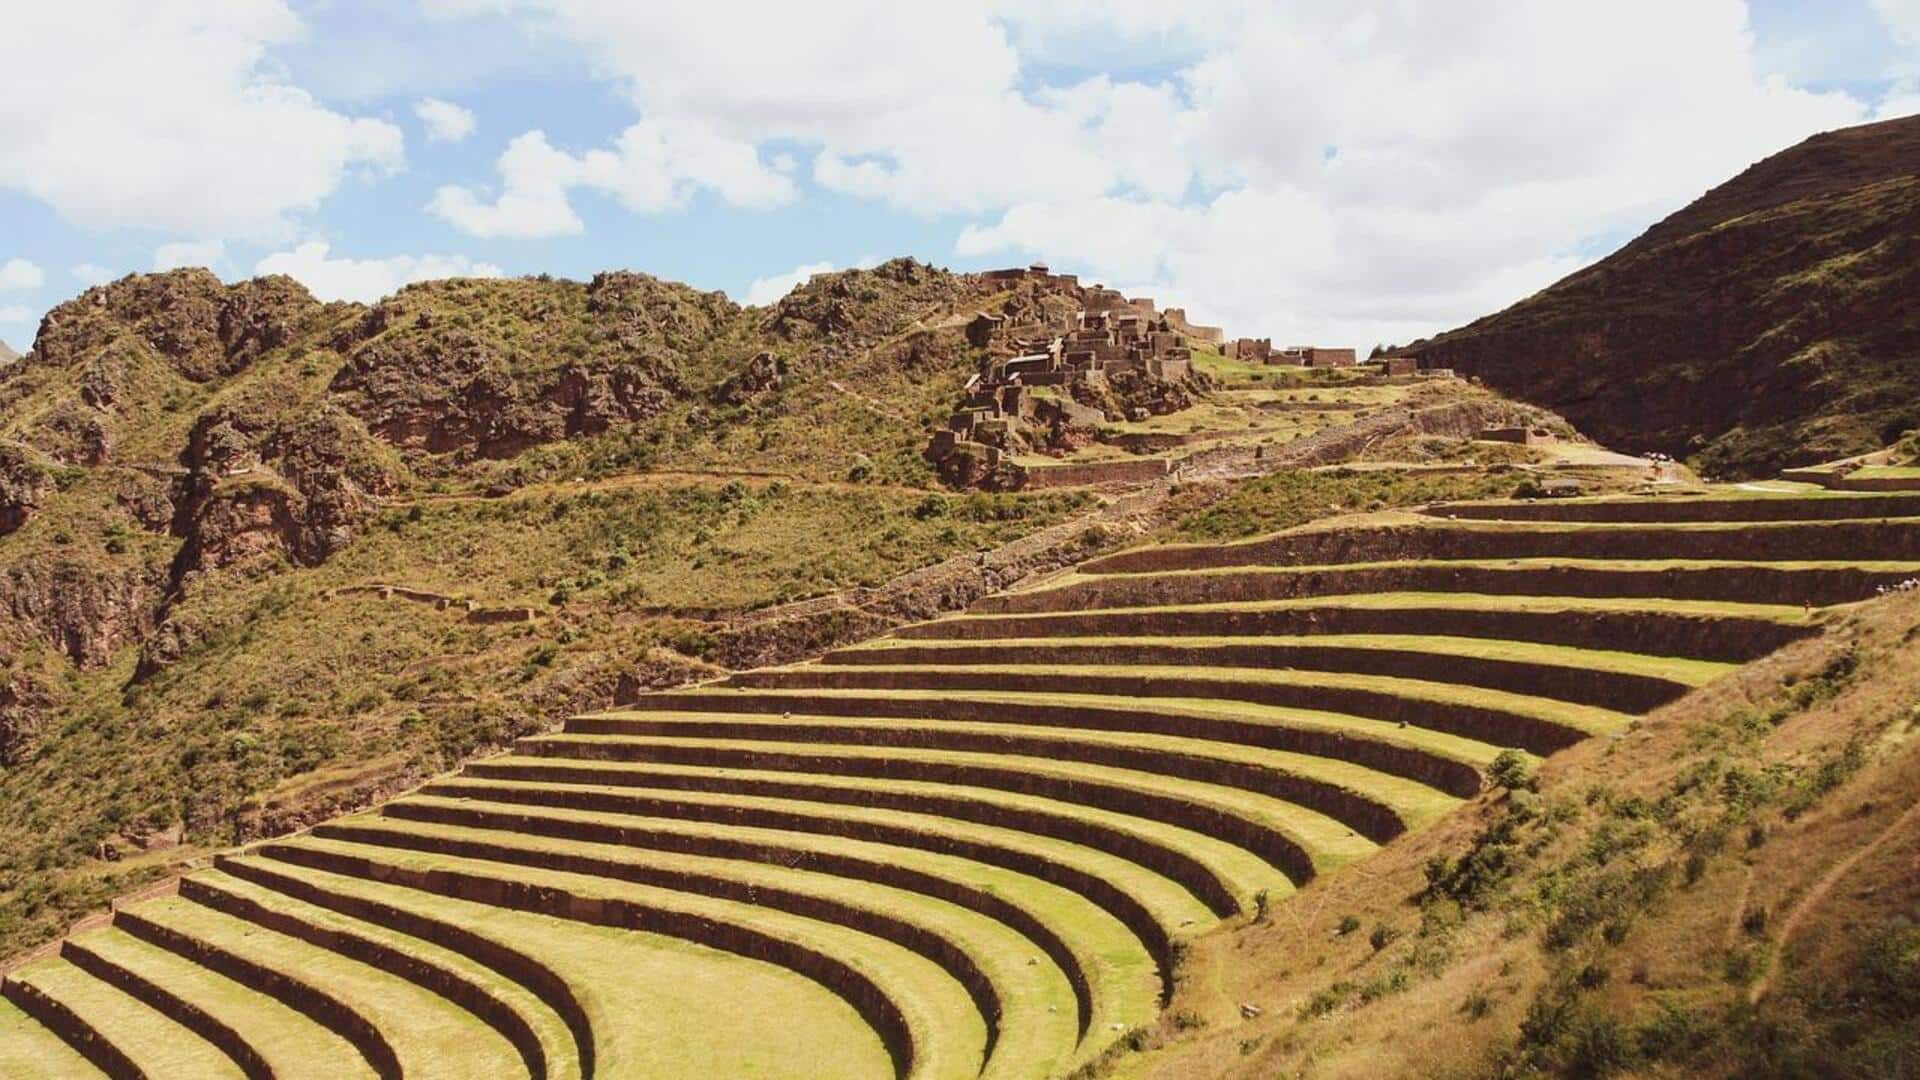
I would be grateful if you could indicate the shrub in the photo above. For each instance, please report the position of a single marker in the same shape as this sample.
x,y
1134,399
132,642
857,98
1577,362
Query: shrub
x,y
1382,936
1509,770
1348,924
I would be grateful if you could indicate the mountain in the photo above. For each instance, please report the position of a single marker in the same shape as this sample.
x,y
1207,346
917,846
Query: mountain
x,y
262,555
7,355
1774,321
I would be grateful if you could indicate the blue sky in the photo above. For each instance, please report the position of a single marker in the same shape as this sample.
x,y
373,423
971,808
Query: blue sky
x,y
1351,176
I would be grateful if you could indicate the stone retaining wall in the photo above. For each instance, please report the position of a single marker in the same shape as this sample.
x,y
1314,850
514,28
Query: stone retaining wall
x,y
1176,865
852,985
1620,691
1702,637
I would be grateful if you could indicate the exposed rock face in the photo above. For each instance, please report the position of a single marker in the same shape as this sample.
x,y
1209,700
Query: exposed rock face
x,y
82,610
295,484
206,329
1775,321
24,707
764,374
23,486
426,380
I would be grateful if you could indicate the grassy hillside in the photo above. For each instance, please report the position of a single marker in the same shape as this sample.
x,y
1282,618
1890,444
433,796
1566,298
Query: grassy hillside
x,y
1726,890
191,474
1773,322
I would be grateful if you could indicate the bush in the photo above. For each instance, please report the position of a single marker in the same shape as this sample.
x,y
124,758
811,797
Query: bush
x,y
1382,936
1509,770
1348,924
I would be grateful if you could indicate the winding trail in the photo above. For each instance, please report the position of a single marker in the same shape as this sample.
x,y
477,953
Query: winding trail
x,y
1821,889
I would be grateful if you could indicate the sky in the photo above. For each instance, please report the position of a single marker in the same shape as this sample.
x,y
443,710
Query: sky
x,y
1347,174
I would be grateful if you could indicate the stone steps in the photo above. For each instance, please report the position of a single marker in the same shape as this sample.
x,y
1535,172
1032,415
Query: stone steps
x,y
1818,584
116,1031
1730,633
1784,541
562,1033
499,1003
973,849
1113,977
1495,717
630,994
1293,839
926,1018
1623,682
1670,509
1029,1009
1342,748
1218,877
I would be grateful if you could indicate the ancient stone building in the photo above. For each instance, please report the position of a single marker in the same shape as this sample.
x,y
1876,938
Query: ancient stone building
x,y
1314,356
1060,360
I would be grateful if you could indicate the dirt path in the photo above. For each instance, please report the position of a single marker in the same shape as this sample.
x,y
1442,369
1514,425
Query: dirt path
x,y
1820,891
867,402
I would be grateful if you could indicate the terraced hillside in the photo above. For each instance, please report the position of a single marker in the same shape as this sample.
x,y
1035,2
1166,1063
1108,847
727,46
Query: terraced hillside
x,y
976,848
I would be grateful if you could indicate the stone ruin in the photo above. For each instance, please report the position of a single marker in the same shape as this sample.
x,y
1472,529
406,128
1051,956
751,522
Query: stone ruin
x,y
1314,356
1061,359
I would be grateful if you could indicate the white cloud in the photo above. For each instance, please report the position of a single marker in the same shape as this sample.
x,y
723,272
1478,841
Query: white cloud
x,y
20,274
445,121
169,116
653,166
1902,18
1356,170
92,274
14,313
1403,186
365,280
768,289
183,253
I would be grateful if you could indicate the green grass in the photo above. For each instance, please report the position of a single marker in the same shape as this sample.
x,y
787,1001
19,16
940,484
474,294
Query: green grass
x,y
1037,1026
431,1036
1285,499
1118,969
1439,743
1675,669
281,688
650,998
1882,565
544,1022
154,1043
1782,613
1327,841
950,1035
840,797
296,1047
807,825
1039,1021
1586,718
31,1052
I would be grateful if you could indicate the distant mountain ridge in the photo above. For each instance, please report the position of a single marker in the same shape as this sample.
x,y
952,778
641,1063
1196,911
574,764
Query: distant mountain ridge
x,y
7,355
1774,321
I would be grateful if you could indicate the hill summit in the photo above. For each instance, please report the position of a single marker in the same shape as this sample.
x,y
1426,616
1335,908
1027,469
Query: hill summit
x,y
1774,321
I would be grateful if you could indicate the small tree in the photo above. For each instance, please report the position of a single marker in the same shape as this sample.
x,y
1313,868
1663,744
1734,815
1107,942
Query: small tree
x,y
1509,770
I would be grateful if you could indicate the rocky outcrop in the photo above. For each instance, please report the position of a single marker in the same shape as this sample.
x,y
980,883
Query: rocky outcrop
x,y
763,375
1773,322
204,328
82,610
295,484
24,707
425,374
23,486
